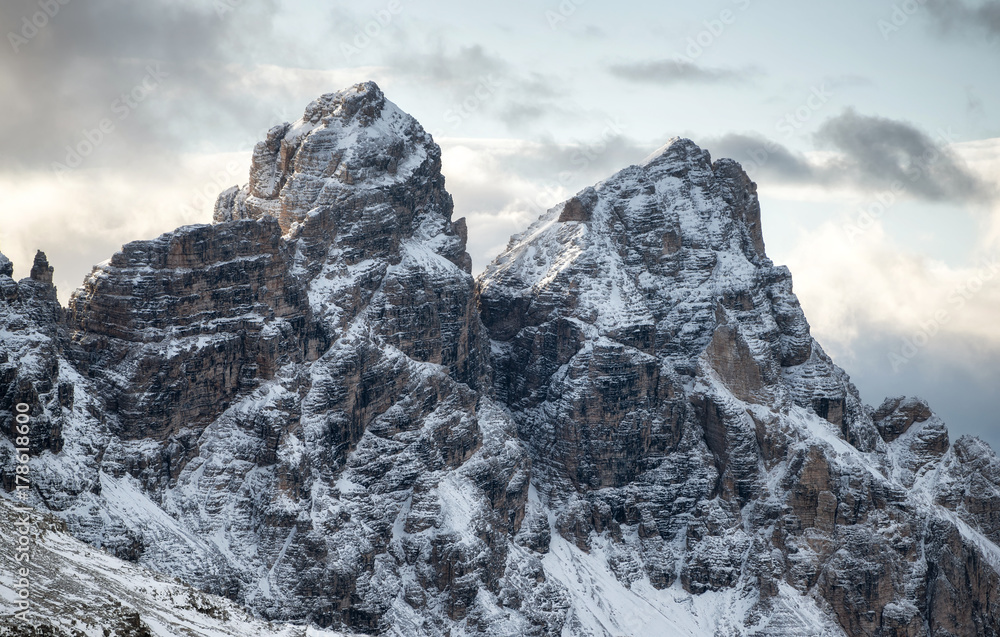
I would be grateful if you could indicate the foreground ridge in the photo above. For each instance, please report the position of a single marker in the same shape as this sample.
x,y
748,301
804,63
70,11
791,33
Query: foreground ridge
x,y
622,427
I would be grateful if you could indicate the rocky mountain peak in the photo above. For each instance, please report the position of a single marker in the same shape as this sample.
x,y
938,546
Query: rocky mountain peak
x,y
623,427
349,149
41,271
6,266
364,101
674,223
681,158
677,154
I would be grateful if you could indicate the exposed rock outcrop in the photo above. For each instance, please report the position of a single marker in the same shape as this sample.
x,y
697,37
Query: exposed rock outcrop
x,y
663,377
624,427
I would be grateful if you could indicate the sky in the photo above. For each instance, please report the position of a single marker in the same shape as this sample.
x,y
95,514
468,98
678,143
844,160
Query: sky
x,y
871,127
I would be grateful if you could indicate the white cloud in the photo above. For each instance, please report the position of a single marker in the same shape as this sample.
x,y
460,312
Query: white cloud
x,y
499,187
87,215
853,282
871,283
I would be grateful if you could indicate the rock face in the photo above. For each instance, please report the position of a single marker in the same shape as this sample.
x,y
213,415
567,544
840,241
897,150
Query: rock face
x,y
291,396
623,427
80,590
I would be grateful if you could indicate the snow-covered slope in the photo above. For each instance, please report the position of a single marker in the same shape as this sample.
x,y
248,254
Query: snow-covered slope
x,y
687,432
624,427
77,590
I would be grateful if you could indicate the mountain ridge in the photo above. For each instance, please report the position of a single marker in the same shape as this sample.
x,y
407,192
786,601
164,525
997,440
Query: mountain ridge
x,y
622,426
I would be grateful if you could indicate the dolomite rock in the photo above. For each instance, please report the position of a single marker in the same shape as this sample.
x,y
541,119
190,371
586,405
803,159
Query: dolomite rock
x,y
623,427
662,374
41,271
292,399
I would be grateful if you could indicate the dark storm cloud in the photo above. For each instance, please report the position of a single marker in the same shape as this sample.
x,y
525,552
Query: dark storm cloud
x,y
666,72
140,77
871,153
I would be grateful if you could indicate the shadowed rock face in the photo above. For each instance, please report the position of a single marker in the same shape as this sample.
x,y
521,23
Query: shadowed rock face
x,y
179,325
298,383
311,407
663,377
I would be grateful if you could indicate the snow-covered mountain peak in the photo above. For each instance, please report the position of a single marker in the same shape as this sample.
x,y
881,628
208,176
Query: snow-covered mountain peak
x,y
673,225
350,143
364,100
624,428
678,150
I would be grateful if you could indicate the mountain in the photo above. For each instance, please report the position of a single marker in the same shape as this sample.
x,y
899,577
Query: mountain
x,y
82,591
622,427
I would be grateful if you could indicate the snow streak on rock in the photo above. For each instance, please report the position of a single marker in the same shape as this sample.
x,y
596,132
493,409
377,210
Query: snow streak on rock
x,y
624,427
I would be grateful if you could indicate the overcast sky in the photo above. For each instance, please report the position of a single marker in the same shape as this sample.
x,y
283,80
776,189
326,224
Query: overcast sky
x,y
872,128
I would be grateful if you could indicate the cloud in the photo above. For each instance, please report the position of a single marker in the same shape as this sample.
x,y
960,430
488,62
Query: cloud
x,y
670,72
164,77
875,152
109,208
470,74
902,323
502,185
865,153
956,375
763,158
854,278
973,103
849,81
957,17
466,79
463,66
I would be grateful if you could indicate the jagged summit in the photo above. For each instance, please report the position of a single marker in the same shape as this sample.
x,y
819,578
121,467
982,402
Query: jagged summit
x,y
676,215
676,197
623,427
677,147
41,271
350,143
